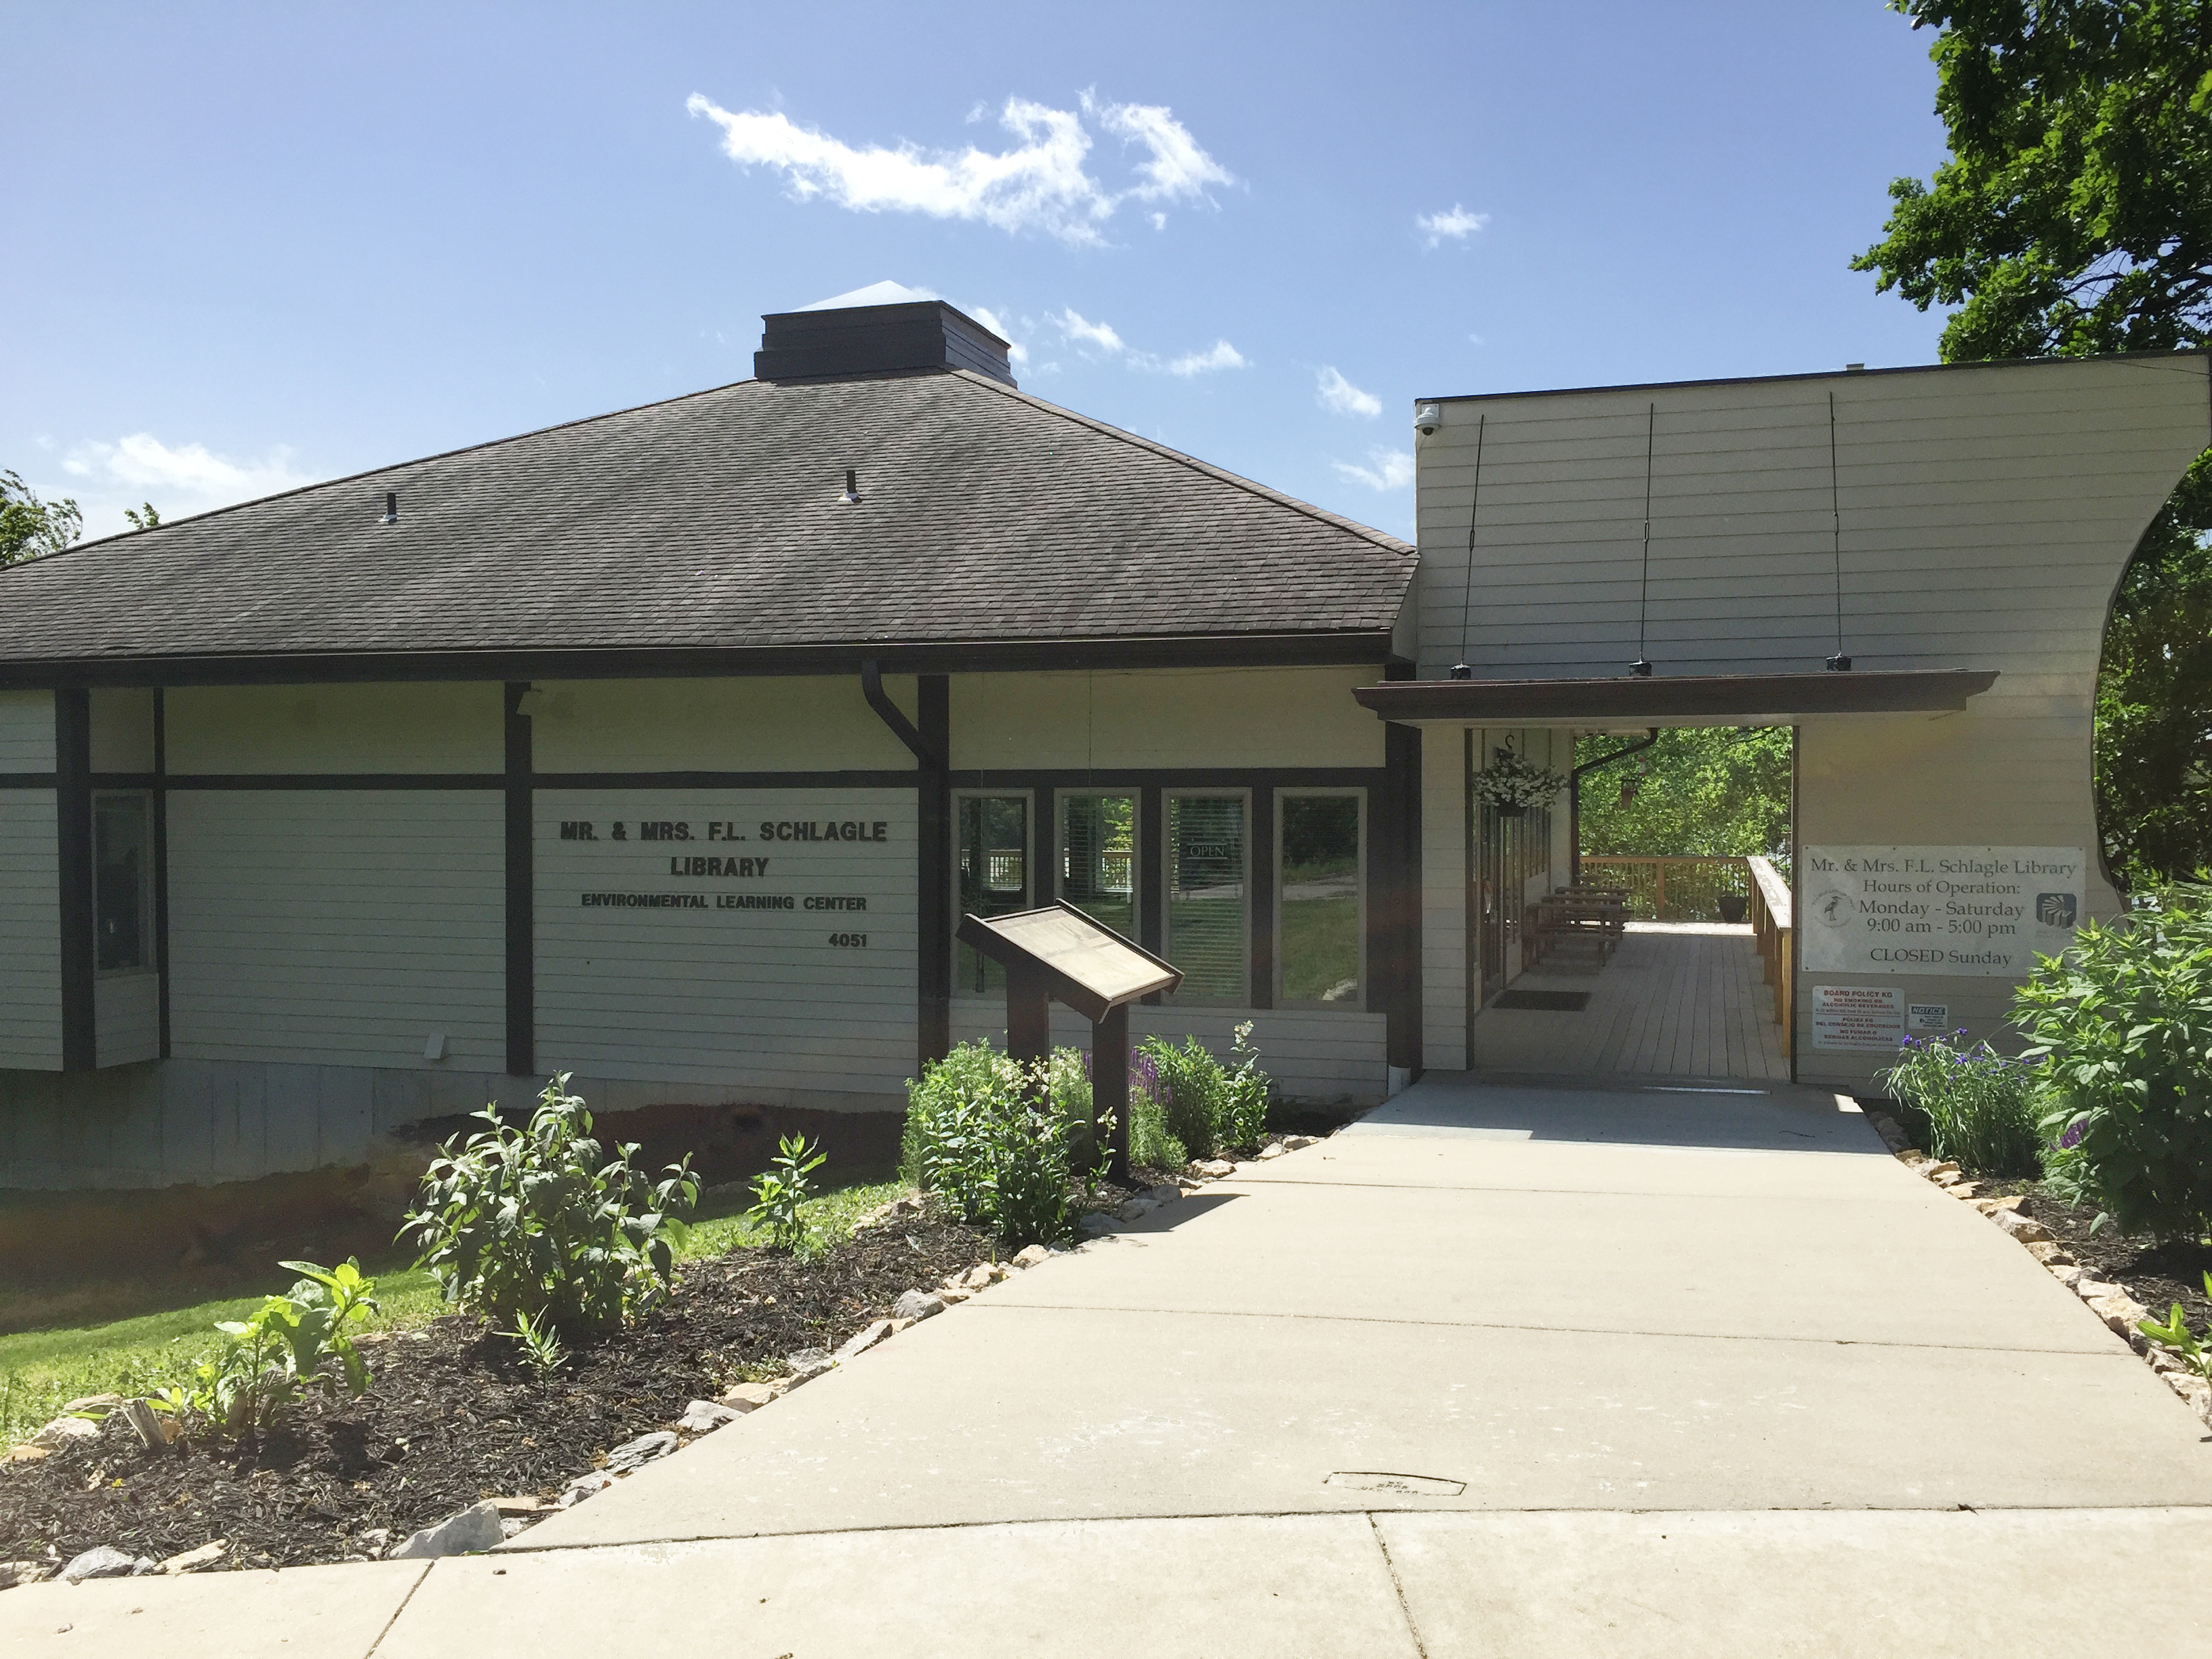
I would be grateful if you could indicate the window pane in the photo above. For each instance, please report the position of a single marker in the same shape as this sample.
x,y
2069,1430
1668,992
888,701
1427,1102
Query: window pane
x,y
1319,946
118,881
1098,858
1206,935
993,844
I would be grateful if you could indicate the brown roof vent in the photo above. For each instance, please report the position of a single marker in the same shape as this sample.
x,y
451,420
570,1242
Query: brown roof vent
x,y
856,340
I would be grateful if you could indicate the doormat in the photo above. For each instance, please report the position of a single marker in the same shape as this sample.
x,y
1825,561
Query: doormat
x,y
1552,1002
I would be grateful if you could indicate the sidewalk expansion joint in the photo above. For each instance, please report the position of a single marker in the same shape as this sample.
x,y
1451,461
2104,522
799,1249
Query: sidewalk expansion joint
x,y
1397,1586
2097,1353
401,1608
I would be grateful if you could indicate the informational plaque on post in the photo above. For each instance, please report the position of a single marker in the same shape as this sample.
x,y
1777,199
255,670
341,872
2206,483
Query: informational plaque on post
x,y
1976,912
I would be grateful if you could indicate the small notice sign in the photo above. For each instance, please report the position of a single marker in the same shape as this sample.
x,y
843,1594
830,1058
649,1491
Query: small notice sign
x,y
1928,1017
1860,1018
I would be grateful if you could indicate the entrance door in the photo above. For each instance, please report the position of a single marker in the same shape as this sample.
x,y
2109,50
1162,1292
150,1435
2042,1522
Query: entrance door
x,y
1503,866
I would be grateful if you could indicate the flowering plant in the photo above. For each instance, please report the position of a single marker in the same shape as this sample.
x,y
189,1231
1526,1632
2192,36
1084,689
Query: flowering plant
x,y
1511,781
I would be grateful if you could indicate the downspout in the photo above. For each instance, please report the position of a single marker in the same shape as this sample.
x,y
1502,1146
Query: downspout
x,y
872,687
1575,797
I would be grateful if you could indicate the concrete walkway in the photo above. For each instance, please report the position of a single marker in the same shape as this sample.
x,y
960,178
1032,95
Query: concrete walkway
x,y
1496,1371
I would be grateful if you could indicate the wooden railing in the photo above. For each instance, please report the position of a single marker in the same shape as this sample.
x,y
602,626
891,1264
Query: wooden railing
x,y
1772,925
1674,889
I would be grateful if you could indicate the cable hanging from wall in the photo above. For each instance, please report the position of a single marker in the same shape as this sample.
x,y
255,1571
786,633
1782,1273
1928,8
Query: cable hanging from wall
x,y
1642,665
1837,663
1461,669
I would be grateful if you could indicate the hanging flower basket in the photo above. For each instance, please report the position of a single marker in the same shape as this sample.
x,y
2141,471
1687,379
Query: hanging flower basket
x,y
1510,785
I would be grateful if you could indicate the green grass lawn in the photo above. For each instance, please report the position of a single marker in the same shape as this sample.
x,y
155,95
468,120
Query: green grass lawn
x,y
40,1369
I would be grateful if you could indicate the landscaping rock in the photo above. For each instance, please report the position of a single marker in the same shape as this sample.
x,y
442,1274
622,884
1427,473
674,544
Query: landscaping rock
x,y
2090,1289
1273,1149
981,1277
743,1397
917,1304
476,1527
2026,1229
155,1432
2051,1254
649,1447
583,1486
92,1402
1031,1256
1943,1175
13,1573
105,1563
1965,1189
62,1430
1214,1167
1135,1209
192,1560
704,1417
1096,1225
1299,1143
27,1453
2120,1311
2066,1273
865,1338
953,1295
807,1365
1166,1193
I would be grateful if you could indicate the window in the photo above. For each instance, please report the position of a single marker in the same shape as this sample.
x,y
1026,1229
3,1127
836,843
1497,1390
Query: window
x,y
1098,858
991,851
1207,934
1318,928
122,883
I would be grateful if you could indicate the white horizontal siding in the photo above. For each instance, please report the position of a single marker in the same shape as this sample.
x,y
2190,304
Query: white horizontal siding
x,y
336,728
126,1014
1208,717
30,932
737,997
26,731
1315,1055
1985,513
338,927
811,723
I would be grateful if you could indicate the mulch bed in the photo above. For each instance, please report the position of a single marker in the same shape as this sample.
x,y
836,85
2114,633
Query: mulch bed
x,y
2156,1275
452,1417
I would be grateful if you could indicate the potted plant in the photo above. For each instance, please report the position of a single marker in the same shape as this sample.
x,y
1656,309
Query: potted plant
x,y
1510,785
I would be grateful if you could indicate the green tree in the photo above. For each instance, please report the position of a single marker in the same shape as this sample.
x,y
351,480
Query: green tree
x,y
2074,217
29,527
1707,790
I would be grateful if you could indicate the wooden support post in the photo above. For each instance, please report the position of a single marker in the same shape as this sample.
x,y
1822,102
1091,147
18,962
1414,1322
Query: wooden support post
x,y
1028,1015
1109,1086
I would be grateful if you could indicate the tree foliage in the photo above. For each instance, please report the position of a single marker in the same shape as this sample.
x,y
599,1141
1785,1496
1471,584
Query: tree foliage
x,y
2074,217
1708,790
29,527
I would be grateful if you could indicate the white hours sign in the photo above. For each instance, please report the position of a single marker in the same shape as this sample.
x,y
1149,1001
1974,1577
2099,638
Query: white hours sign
x,y
1981,911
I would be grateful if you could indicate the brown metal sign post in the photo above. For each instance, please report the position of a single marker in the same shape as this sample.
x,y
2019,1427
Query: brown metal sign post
x,y
1058,954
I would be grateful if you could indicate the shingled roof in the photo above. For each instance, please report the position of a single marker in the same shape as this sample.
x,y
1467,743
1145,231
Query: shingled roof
x,y
707,531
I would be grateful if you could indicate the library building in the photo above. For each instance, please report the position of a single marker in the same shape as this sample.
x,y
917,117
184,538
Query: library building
x,y
670,747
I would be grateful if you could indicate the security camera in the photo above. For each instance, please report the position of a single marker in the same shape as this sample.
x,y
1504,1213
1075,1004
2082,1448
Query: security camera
x,y
1427,418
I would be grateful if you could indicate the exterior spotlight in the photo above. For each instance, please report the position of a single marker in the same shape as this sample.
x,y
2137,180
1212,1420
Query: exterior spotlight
x,y
1460,670
1839,663
1641,669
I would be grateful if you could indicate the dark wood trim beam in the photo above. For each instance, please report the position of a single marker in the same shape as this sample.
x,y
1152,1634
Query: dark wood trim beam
x,y
162,862
1151,870
1347,648
521,891
1776,698
1260,866
934,875
1396,932
73,850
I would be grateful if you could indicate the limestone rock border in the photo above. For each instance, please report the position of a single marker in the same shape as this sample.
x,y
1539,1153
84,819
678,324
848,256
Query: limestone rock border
x,y
2119,1311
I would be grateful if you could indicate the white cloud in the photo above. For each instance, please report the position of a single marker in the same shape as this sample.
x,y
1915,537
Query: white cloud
x,y
1042,183
1078,328
1102,339
1388,469
1017,352
1339,397
1219,354
1455,224
142,465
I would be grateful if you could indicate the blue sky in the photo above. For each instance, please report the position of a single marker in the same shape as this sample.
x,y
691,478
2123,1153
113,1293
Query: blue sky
x,y
254,245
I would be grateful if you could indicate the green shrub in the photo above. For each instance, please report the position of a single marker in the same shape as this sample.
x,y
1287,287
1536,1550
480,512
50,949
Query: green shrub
x,y
270,1359
975,1138
2122,1022
779,1190
1207,1106
1979,1106
532,1222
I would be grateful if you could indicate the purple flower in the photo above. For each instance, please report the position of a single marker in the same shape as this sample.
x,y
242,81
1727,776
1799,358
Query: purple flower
x,y
2072,1138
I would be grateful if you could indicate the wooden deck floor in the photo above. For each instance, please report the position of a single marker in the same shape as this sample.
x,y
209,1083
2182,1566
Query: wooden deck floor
x,y
1676,1000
